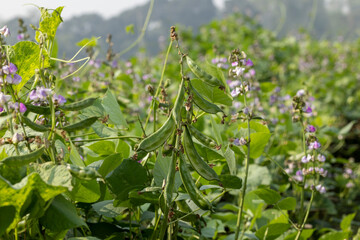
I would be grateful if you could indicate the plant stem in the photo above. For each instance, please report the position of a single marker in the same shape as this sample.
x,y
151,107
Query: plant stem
x,y
243,192
159,86
306,216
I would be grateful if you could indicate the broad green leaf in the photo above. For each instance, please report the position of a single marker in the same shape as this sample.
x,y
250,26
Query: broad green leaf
x,y
272,231
49,23
86,191
231,161
102,148
213,94
346,222
112,108
208,153
140,198
107,209
335,236
75,156
110,163
129,175
288,203
215,128
258,175
27,58
28,196
258,142
255,125
55,175
92,42
61,215
123,148
161,169
268,195
230,181
6,217
305,235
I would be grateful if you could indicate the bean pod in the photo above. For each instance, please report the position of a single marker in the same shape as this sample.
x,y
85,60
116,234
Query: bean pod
x,y
158,138
78,105
83,173
22,160
179,102
202,103
195,194
170,180
34,126
207,141
80,125
38,109
204,76
196,161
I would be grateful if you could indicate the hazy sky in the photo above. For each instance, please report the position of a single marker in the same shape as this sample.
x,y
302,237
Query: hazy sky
x,y
107,8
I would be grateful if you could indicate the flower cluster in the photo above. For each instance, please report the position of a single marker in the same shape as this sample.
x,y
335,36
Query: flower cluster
x,y
8,74
220,62
40,96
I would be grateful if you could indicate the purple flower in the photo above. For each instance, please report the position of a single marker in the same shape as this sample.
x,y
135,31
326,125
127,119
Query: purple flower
x,y
240,142
321,189
321,158
249,63
22,108
299,176
252,72
234,64
246,111
300,93
20,37
239,71
114,64
16,79
314,145
310,128
306,159
5,31
308,110
13,69
4,99
235,92
40,94
17,138
59,99
76,79
350,185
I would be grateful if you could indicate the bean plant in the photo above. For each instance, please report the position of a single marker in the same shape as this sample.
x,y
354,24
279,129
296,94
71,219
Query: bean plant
x,y
179,148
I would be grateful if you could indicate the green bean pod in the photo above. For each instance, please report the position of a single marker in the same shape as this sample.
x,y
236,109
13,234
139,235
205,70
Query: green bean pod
x,y
196,161
83,173
78,105
158,138
80,125
207,141
204,76
195,194
202,103
34,126
21,160
170,180
38,109
179,102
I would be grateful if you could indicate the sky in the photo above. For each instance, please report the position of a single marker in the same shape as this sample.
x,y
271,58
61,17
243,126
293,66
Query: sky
x,y
106,8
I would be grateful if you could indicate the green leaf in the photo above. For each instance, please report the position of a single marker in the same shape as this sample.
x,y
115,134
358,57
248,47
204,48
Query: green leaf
x,y
272,231
129,175
55,175
288,203
216,131
213,94
258,142
107,209
110,163
28,196
258,175
123,148
102,148
346,222
139,198
130,28
75,156
305,235
92,42
268,195
335,236
112,108
231,161
6,217
230,181
86,191
161,169
256,126
49,23
208,153
61,215
27,58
